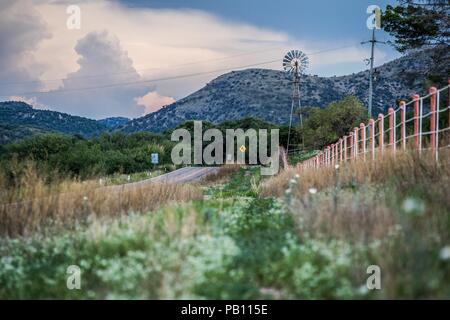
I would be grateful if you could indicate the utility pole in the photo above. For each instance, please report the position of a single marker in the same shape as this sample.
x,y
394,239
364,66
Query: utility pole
x,y
373,41
373,22
371,72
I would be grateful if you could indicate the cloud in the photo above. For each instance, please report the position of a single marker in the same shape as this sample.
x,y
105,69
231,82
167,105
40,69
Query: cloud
x,y
21,30
102,62
153,101
31,101
138,44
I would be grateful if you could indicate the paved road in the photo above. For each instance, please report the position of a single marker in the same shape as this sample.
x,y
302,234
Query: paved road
x,y
183,175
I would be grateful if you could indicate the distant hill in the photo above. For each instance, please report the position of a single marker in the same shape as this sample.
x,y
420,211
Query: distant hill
x,y
266,94
257,93
19,120
113,122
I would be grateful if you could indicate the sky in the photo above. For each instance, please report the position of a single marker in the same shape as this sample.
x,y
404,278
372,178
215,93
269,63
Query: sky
x,y
130,58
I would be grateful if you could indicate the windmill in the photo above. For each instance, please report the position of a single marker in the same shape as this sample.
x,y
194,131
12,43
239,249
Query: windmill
x,y
295,62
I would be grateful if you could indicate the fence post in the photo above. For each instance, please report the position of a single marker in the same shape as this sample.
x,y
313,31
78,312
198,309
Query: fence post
x,y
340,150
372,138
381,132
403,123
356,142
351,140
362,128
416,98
336,153
438,104
329,154
433,117
391,128
345,148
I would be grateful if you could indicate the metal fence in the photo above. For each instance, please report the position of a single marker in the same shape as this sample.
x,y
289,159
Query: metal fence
x,y
422,123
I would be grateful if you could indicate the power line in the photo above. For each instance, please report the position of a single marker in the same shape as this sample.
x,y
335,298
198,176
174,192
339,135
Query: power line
x,y
149,80
173,66
170,78
146,69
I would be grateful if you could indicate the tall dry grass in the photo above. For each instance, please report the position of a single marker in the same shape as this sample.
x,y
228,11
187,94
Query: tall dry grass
x,y
362,199
32,205
395,212
222,174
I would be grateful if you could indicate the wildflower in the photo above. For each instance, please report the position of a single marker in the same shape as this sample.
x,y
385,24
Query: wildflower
x,y
444,254
312,190
336,166
363,290
297,176
288,191
293,181
412,205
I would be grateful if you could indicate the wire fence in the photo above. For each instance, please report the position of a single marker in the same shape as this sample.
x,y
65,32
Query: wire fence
x,y
422,123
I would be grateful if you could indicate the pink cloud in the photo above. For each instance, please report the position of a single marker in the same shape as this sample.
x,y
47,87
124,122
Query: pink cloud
x,y
153,101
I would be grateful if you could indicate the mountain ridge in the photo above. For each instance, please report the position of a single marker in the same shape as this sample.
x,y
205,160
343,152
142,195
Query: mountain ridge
x,y
266,94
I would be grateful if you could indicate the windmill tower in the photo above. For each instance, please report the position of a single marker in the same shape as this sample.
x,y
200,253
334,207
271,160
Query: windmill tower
x,y
295,62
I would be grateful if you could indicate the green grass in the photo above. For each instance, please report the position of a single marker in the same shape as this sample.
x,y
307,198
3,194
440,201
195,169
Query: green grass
x,y
218,249
242,183
234,245
120,178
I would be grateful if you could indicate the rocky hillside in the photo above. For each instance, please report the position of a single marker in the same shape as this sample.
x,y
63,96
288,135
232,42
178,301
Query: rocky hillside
x,y
113,122
19,120
266,94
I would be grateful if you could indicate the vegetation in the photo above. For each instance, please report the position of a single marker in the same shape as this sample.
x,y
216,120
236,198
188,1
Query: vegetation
x,y
83,158
415,24
302,234
19,120
420,25
324,126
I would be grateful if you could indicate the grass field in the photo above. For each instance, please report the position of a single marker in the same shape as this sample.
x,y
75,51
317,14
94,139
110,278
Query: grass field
x,y
299,235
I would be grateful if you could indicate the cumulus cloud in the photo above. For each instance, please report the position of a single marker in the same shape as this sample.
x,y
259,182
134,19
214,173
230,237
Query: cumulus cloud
x,y
21,30
153,101
31,101
88,91
138,44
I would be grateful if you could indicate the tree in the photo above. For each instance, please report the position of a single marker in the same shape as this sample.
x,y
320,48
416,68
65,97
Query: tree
x,y
418,24
325,126
422,24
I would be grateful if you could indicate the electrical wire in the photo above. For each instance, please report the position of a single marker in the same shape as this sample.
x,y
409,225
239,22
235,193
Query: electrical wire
x,y
167,78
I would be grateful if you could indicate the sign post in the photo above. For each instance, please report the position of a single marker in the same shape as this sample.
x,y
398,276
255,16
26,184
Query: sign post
x,y
154,159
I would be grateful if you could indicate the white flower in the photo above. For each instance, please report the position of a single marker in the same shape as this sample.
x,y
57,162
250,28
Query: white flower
x,y
288,191
444,254
293,181
363,290
297,176
312,190
85,198
336,166
412,205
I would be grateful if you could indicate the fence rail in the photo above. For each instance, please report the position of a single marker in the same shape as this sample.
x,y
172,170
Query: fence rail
x,y
419,123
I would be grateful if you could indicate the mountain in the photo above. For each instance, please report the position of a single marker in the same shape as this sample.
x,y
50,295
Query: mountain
x,y
19,120
113,122
266,94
